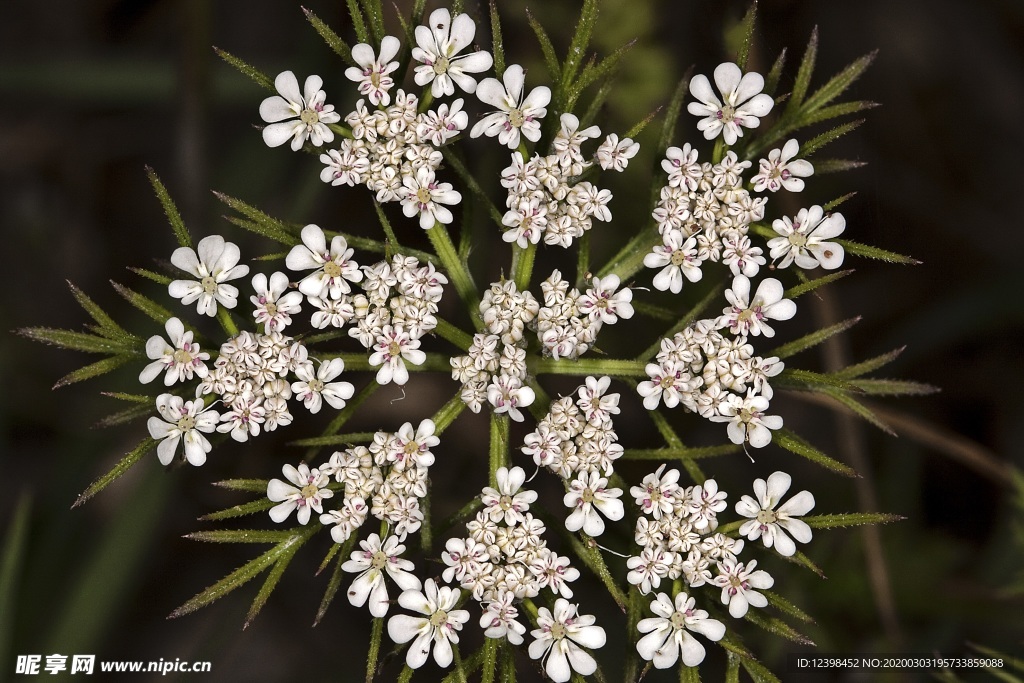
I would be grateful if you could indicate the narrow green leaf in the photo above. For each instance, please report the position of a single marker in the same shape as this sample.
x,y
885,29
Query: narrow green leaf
x,y
839,83
250,508
261,79
674,442
131,398
795,377
835,111
333,40
811,340
375,14
838,201
273,228
640,125
241,535
276,572
747,29
894,387
546,48
171,211
76,341
498,43
775,73
458,271
587,551
150,275
248,485
869,365
803,74
100,367
857,408
878,254
850,519
376,635
785,606
800,559
152,309
579,43
732,668
810,286
107,327
794,444
593,73
334,583
453,334
358,23
243,574
777,626
455,162
522,265
823,166
389,233
694,453
447,413
127,415
498,448
652,311
588,366
334,440
327,558
816,143
675,106
600,97
758,672
344,415
130,458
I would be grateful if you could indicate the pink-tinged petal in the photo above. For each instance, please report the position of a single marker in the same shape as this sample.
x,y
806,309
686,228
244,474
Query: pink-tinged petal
x,y
274,109
692,651
186,259
280,512
166,448
758,106
276,134
389,47
701,89
798,505
288,86
402,628
750,85
363,55
311,87
727,78
463,30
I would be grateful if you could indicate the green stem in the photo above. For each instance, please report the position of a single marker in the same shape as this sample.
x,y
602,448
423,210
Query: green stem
x,y
583,259
632,618
630,258
447,413
457,270
224,318
460,169
371,656
588,366
499,446
451,333
490,660
522,265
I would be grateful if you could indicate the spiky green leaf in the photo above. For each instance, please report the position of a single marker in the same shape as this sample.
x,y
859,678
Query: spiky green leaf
x,y
241,535
796,377
694,453
579,43
106,325
775,73
77,341
811,340
150,275
810,286
777,627
675,107
829,136
869,365
250,508
358,22
334,583
824,166
803,74
497,42
849,519
746,29
130,458
152,309
100,367
838,201
864,250
170,210
894,387
786,607
794,444
273,577
592,73
333,40
249,485
127,415
839,83
683,322
261,79
546,47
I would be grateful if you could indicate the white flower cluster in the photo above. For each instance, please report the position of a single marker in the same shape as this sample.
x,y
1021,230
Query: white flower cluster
x,y
494,369
568,323
387,479
545,196
677,538
703,214
716,376
504,558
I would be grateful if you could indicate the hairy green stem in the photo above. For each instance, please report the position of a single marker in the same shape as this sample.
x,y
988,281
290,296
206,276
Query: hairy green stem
x,y
587,366
499,446
457,270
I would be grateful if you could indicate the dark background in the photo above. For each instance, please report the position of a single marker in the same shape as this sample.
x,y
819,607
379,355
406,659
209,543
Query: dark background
x,y
92,91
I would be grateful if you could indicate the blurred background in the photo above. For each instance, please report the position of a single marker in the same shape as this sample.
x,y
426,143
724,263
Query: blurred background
x,y
93,90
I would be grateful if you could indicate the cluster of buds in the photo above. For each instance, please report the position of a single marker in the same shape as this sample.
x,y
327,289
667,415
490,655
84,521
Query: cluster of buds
x,y
494,368
546,199
504,557
568,323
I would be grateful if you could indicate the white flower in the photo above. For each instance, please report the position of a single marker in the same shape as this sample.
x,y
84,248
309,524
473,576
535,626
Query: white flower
x,y
507,395
705,502
272,309
559,640
602,302
438,627
614,154
499,619
244,419
750,316
215,264
781,170
507,501
413,448
588,495
372,75
422,194
527,217
371,563
441,125
657,493
747,421
738,583
770,524
344,166
392,349
313,115
682,167
740,255
678,258
182,420
333,269
333,312
515,114
669,382
668,633
648,569
437,48
742,105
803,239
314,390
307,494
181,358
